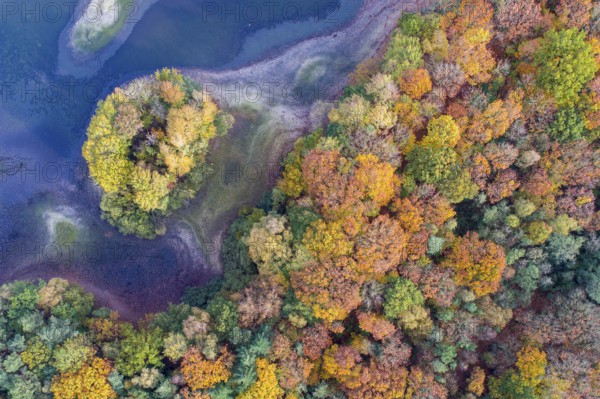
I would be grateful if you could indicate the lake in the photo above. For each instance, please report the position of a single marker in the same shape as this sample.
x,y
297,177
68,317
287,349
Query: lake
x,y
43,117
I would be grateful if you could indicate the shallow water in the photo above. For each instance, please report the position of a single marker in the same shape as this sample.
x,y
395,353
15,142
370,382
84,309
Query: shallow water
x,y
43,117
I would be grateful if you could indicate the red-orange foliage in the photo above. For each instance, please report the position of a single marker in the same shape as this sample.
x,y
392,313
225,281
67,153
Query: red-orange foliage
x,y
293,369
331,189
341,190
570,321
315,340
479,170
437,209
376,325
537,182
424,206
106,329
381,247
330,288
377,180
364,71
380,382
473,55
343,363
477,264
395,352
417,245
472,14
501,156
201,373
409,214
187,394
422,385
437,285
578,203
573,164
415,82
490,124
503,185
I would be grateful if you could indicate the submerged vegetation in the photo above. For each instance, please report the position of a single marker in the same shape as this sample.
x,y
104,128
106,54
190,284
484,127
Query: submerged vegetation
x,y
146,149
438,239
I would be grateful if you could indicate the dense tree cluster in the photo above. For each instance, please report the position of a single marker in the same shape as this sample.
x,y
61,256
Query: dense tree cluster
x,y
437,240
146,149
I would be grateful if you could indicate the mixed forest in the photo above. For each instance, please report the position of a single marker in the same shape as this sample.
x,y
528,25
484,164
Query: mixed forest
x,y
437,239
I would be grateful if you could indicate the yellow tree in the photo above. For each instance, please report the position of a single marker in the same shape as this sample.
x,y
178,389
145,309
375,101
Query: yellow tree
x,y
343,363
89,382
266,385
327,240
531,363
441,132
477,264
416,82
377,179
473,56
201,373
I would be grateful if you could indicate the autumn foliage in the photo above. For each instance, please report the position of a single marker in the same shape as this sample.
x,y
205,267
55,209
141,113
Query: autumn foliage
x,y
90,381
437,238
201,373
478,264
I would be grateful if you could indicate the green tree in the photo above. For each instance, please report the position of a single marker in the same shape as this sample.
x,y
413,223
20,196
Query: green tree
x,y
403,52
431,165
120,210
565,62
401,296
224,314
36,354
568,125
441,132
75,305
72,354
106,152
511,386
139,349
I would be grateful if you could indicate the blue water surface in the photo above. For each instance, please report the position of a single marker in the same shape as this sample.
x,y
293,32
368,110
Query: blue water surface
x,y
43,117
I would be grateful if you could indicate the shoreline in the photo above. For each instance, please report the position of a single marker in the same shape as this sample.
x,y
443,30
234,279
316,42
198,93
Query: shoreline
x,y
282,64
369,31
322,62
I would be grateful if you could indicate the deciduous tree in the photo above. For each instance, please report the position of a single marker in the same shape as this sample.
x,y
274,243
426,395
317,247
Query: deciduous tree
x,y
477,264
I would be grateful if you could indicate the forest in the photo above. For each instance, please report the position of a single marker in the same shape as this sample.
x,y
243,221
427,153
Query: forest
x,y
437,239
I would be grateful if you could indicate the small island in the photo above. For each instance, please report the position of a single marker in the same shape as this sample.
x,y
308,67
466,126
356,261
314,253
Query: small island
x,y
146,149
99,23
